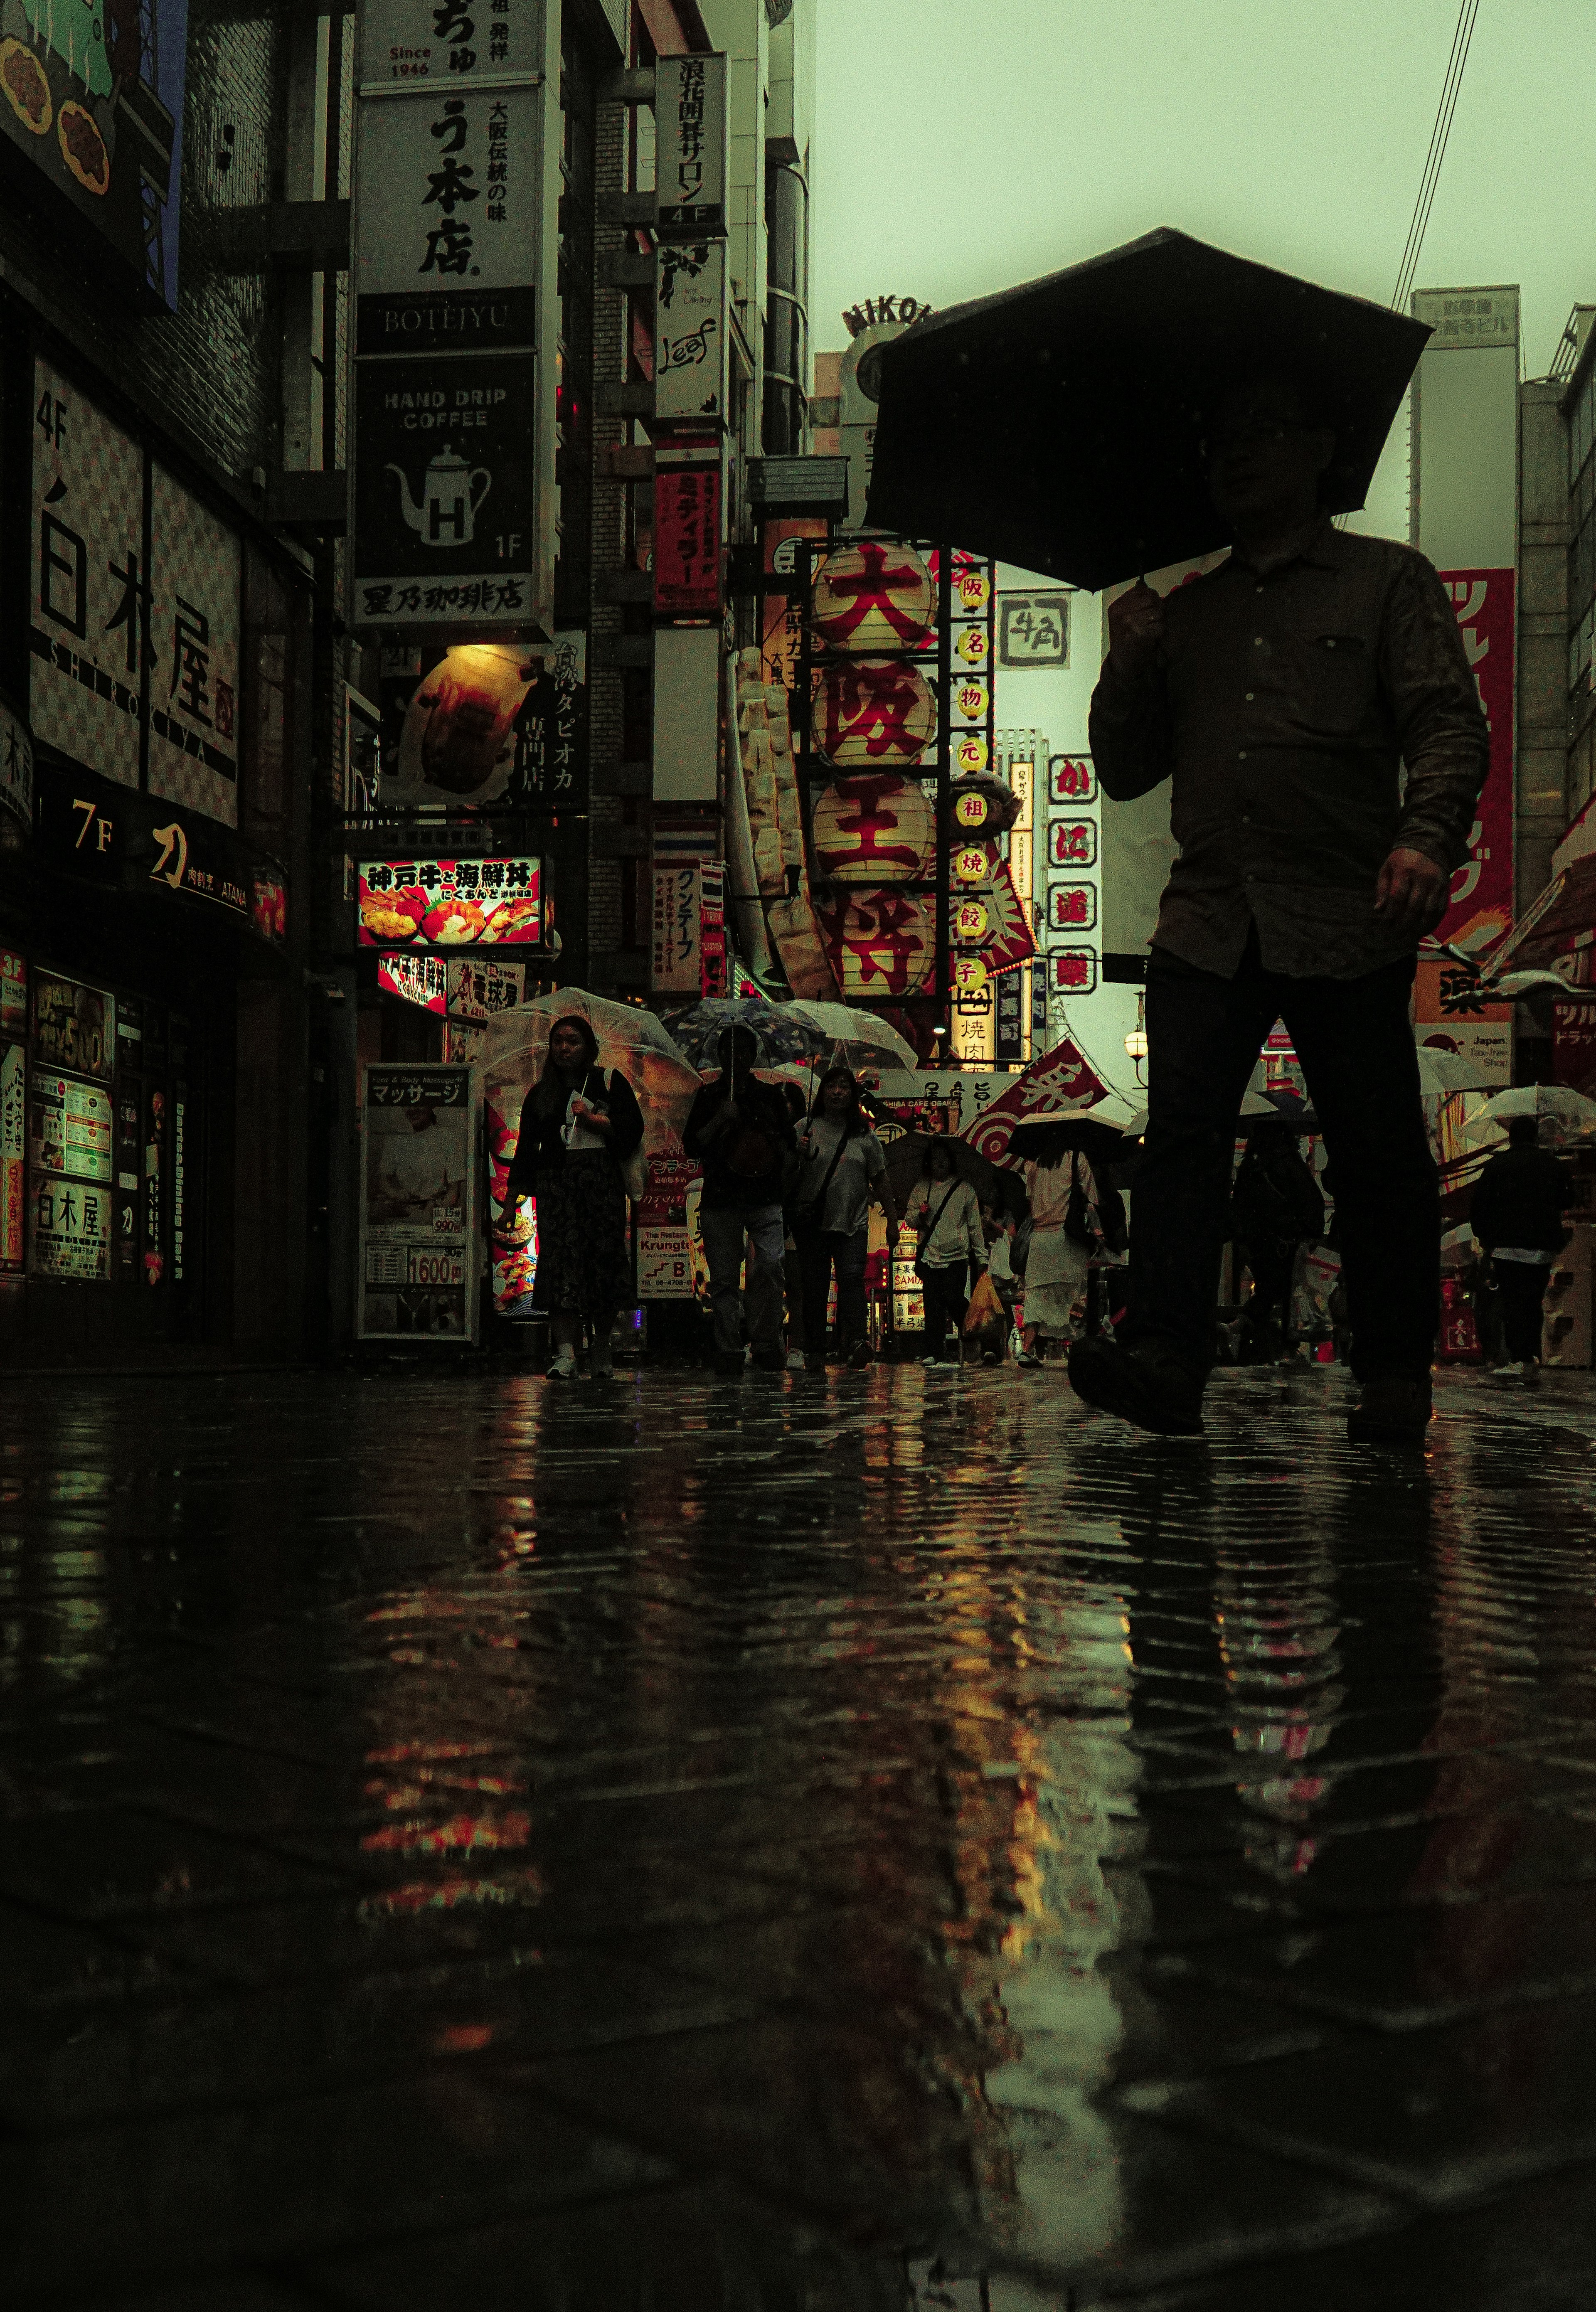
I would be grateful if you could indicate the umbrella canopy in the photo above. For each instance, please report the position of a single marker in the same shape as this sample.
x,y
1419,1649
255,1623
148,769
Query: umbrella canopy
x,y
906,1158
866,1040
1563,1115
1060,426
1099,1134
1290,1112
697,1031
515,1045
1442,1073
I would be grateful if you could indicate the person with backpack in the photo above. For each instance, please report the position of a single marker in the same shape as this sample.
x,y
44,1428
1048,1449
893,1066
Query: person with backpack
x,y
1276,1205
1517,1220
841,1165
579,1125
951,1247
1072,1216
740,1131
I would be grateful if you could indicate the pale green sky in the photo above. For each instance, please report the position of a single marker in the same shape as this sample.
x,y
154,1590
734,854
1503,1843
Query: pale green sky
x,y
962,145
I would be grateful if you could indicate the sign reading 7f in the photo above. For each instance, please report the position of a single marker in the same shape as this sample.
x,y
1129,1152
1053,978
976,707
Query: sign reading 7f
x,y
1073,843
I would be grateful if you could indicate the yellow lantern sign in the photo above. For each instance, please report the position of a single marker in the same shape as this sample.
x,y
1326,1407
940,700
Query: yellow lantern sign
x,y
972,862
969,975
875,596
970,699
973,589
971,645
970,755
972,922
972,810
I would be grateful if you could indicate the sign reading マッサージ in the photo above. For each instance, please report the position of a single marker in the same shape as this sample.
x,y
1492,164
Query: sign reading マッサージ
x,y
455,208
418,1189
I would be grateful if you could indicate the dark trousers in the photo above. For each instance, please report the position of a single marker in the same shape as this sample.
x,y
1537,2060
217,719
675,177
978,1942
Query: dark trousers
x,y
946,1300
819,1250
1523,1289
1356,1043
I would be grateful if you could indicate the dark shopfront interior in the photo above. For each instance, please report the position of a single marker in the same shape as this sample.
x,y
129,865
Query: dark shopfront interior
x,y
205,1228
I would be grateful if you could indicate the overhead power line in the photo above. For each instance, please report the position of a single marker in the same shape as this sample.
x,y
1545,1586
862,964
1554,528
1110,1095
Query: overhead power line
x,y
1462,34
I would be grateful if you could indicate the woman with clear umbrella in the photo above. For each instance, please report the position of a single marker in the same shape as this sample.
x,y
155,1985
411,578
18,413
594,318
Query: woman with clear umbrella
x,y
579,1123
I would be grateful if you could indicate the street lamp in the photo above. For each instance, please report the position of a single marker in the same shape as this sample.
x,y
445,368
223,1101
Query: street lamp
x,y
1136,1043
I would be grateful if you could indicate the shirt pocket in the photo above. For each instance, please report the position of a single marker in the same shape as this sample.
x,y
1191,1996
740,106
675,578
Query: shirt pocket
x,y
1331,683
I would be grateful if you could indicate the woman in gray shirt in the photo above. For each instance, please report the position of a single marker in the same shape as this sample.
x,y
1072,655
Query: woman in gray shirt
x,y
840,1166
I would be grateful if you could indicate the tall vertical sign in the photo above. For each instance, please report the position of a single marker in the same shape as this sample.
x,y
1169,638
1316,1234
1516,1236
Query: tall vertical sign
x,y
455,211
1464,515
691,148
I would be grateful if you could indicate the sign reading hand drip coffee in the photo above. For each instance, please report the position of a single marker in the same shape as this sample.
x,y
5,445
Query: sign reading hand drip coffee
x,y
455,198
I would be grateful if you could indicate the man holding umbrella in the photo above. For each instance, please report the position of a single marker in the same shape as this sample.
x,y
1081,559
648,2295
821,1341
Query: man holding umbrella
x,y
1279,695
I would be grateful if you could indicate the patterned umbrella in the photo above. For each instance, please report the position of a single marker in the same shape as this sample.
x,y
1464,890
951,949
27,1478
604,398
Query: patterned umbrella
x,y
697,1031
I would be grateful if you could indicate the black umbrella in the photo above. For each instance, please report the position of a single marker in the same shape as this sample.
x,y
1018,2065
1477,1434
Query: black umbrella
x,y
1291,1111
1038,1135
1060,426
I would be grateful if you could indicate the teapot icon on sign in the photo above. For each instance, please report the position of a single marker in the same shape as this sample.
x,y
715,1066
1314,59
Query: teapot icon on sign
x,y
449,498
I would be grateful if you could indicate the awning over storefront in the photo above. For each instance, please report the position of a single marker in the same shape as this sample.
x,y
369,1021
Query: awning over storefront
x,y
1564,911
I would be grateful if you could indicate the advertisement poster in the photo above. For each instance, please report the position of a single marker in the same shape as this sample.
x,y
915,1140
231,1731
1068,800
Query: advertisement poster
x,y
691,351
664,1261
69,1128
72,1230
428,903
687,536
676,967
13,994
74,1026
417,1205
91,121
1481,909
1450,1014
14,1153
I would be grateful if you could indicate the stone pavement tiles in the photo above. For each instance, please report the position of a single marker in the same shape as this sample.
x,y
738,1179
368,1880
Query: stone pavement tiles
x,y
890,1839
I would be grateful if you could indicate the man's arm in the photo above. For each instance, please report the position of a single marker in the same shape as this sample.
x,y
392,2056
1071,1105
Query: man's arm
x,y
1441,728
1130,728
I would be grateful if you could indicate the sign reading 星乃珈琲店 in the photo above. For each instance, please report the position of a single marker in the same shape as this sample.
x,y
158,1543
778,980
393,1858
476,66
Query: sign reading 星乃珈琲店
x,y
456,190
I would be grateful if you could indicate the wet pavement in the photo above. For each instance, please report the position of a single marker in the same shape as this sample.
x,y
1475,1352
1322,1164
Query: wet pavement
x,y
895,1841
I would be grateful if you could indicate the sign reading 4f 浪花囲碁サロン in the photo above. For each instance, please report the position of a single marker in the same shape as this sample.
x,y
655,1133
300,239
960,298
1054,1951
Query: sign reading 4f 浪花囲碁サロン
x,y
91,114
455,208
691,145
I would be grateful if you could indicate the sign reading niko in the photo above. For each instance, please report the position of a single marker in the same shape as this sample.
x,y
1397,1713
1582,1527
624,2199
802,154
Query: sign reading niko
x,y
691,152
455,201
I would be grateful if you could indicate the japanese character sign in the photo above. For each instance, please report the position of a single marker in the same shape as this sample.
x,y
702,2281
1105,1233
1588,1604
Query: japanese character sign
x,y
877,829
195,571
873,597
874,714
1033,630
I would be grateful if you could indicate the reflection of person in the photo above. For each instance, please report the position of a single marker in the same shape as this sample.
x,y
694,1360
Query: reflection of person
x,y
1057,1263
843,1165
416,1171
1282,695
740,1131
579,1123
945,1215
1276,1205
1517,1220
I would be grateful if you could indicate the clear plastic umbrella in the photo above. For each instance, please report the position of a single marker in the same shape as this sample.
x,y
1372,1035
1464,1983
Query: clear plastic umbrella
x,y
1561,1113
1441,1073
866,1040
631,1039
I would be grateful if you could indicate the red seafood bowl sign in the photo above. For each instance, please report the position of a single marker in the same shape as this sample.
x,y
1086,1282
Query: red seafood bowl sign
x,y
877,829
874,714
879,944
873,597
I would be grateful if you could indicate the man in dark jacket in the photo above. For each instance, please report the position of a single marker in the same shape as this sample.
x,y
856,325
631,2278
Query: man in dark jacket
x,y
1517,1220
740,1132
1283,695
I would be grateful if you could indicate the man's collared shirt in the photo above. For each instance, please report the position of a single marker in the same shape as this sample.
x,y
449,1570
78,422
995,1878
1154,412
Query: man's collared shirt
x,y
1286,703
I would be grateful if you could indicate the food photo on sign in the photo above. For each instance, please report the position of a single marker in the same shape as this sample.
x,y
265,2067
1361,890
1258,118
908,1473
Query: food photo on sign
x,y
450,902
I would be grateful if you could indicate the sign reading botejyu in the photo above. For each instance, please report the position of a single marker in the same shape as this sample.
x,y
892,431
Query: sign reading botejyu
x,y
456,193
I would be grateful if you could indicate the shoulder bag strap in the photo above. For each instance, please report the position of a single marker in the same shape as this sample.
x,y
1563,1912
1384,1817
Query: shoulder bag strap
x,y
819,1198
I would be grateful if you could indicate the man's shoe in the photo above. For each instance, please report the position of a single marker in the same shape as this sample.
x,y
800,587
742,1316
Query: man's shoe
x,y
859,1356
1394,1409
771,1360
564,1367
1154,1390
1531,1372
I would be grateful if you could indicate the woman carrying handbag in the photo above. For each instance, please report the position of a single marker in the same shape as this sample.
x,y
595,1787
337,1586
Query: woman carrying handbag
x,y
945,1215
